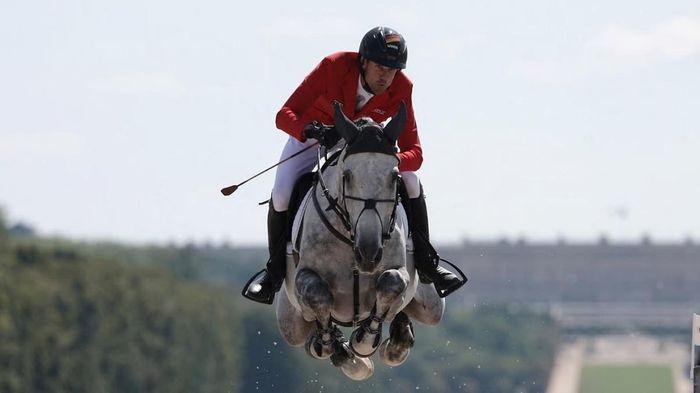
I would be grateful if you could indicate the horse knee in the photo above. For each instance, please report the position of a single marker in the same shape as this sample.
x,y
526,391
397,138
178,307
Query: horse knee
x,y
391,284
312,290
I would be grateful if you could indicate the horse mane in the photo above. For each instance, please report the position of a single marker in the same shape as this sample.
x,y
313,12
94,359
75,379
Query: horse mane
x,y
371,139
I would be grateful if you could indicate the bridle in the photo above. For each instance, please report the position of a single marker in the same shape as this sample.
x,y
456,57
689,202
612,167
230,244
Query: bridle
x,y
343,214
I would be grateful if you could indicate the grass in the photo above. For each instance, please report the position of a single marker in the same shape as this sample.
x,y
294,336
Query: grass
x,y
626,379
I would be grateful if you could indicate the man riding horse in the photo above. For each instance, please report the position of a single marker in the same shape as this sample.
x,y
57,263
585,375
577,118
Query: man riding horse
x,y
371,84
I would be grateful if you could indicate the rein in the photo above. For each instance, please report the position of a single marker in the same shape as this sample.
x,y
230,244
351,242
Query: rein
x,y
333,205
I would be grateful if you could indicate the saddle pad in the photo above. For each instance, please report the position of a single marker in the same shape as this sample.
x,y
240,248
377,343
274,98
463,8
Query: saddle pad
x,y
298,218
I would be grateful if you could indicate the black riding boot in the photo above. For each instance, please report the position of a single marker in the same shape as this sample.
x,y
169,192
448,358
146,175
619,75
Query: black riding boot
x,y
425,257
262,289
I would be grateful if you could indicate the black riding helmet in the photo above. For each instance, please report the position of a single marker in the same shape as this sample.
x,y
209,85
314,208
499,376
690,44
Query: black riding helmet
x,y
385,46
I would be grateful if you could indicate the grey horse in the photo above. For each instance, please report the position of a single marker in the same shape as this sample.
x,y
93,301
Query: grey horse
x,y
351,266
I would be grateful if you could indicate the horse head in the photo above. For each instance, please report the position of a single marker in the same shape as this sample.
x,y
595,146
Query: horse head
x,y
369,185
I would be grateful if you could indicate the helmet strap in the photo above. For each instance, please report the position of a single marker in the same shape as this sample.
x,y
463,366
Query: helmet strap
x,y
365,85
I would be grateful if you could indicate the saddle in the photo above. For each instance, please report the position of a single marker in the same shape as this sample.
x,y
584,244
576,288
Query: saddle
x,y
301,188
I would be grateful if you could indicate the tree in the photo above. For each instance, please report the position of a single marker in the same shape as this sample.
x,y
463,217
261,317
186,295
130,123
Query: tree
x,y
4,236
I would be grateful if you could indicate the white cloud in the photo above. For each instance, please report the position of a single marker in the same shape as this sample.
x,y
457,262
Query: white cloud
x,y
675,38
138,83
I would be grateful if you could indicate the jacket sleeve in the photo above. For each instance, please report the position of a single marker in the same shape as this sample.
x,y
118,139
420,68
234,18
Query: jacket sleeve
x,y
290,118
411,153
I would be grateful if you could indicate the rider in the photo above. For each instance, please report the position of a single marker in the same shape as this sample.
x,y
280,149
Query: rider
x,y
369,84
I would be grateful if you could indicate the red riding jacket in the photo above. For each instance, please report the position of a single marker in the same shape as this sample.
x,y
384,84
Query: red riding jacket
x,y
336,78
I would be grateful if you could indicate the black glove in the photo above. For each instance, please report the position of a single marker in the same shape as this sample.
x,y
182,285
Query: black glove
x,y
326,135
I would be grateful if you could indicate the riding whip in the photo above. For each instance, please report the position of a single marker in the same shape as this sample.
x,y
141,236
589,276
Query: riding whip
x,y
231,189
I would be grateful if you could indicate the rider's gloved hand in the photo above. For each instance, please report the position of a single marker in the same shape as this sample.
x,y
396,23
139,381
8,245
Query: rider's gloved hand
x,y
326,135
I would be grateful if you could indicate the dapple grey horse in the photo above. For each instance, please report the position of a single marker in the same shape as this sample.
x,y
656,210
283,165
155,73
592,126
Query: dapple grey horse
x,y
352,267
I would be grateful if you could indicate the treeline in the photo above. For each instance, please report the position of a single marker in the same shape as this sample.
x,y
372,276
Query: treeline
x,y
72,324
89,317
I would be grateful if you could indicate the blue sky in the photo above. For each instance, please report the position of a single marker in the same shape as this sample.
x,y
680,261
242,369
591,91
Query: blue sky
x,y
540,119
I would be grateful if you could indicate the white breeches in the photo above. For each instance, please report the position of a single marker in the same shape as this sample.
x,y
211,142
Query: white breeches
x,y
288,173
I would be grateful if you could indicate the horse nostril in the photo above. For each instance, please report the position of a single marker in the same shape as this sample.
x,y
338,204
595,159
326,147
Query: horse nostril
x,y
358,254
378,258
368,257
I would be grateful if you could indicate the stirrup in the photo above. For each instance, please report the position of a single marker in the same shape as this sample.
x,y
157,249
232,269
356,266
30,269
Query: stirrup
x,y
432,253
448,291
255,280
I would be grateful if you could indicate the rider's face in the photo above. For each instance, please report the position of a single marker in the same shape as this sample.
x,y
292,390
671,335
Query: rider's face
x,y
377,76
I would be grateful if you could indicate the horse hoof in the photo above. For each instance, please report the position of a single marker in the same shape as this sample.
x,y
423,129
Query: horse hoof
x,y
395,349
353,367
315,348
393,355
360,345
357,368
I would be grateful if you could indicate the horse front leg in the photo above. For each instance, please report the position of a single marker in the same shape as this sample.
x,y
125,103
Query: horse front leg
x,y
316,299
425,307
391,286
395,349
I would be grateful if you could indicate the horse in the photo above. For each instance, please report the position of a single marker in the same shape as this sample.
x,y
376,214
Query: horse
x,y
351,266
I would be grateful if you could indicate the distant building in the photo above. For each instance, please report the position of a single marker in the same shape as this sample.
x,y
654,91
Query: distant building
x,y
591,286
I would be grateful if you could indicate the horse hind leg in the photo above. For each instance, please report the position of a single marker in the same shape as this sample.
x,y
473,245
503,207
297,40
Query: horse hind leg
x,y
391,285
292,325
426,306
394,350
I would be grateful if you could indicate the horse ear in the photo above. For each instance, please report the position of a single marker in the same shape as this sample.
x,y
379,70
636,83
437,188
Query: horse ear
x,y
395,126
346,128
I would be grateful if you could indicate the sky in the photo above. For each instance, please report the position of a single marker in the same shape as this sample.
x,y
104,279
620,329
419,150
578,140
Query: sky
x,y
540,120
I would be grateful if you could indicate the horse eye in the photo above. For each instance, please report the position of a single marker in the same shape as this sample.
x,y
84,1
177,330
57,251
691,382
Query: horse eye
x,y
347,175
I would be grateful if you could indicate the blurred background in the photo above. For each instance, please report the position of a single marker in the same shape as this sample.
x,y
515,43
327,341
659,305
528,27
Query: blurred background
x,y
560,145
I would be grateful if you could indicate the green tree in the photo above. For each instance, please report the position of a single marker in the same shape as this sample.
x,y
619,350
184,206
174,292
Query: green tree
x,y
69,324
4,235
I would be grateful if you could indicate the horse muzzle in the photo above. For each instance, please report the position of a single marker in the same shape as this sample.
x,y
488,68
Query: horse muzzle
x,y
368,257
367,240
